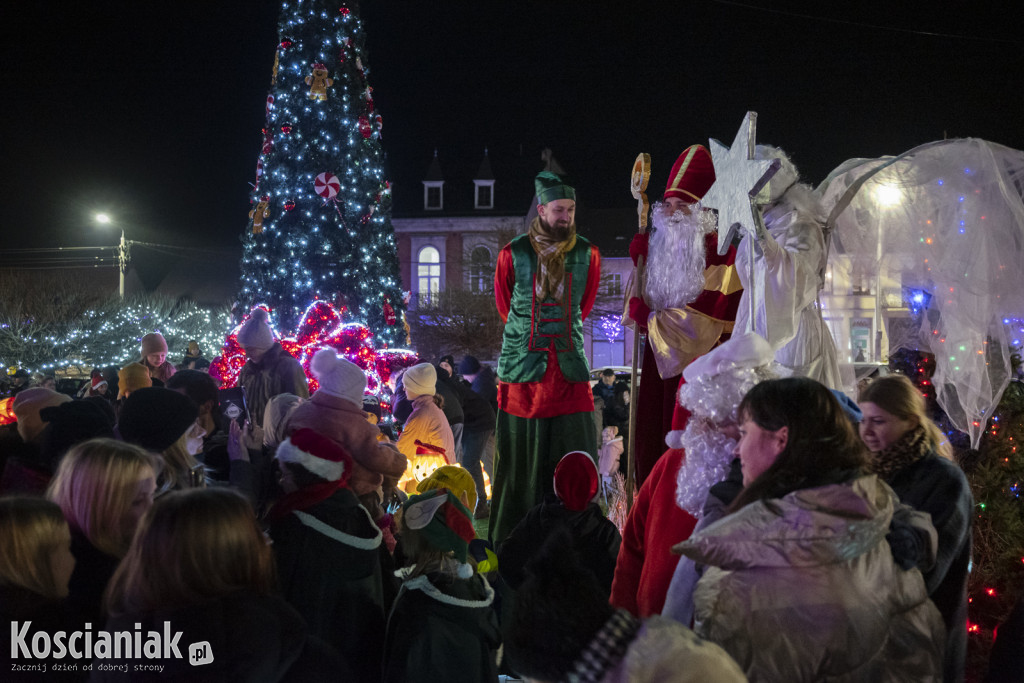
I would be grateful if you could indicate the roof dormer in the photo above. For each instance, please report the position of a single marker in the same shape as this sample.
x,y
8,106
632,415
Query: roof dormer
x,y
483,185
433,187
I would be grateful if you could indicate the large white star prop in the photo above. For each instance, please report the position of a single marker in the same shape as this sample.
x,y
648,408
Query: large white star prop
x,y
738,178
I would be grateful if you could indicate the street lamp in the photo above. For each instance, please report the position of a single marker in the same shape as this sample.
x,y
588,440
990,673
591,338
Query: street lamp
x,y
122,251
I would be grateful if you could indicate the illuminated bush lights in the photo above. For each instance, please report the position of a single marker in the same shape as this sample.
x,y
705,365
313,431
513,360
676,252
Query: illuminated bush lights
x,y
321,326
102,339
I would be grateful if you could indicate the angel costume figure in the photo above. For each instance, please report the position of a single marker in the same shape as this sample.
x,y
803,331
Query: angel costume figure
x,y
789,268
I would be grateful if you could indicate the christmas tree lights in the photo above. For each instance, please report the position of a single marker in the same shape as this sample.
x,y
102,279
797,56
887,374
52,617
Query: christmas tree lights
x,y
320,227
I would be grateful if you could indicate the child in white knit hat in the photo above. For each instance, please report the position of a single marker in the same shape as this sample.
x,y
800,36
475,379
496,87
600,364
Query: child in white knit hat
x,y
426,428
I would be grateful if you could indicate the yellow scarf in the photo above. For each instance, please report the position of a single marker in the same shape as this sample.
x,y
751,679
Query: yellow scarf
x,y
550,280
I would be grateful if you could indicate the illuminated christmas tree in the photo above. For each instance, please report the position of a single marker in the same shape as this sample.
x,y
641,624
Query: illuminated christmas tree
x,y
320,224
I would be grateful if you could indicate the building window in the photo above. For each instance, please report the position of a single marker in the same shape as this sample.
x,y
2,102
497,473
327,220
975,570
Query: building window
x,y
484,194
613,284
428,275
433,195
481,272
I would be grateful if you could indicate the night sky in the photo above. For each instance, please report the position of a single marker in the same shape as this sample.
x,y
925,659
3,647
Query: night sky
x,y
152,111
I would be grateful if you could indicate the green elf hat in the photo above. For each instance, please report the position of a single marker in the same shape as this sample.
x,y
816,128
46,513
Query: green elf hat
x,y
444,522
550,187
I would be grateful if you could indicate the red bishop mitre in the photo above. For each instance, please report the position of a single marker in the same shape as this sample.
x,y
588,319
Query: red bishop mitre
x,y
692,175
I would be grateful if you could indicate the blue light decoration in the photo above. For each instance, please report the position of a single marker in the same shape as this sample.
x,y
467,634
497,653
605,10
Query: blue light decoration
x,y
611,325
916,299
316,243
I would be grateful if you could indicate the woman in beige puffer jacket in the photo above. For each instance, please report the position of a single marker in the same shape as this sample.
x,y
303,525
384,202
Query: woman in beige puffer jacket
x,y
801,583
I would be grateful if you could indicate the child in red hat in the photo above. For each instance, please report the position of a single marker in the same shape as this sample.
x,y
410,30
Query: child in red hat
x,y
595,538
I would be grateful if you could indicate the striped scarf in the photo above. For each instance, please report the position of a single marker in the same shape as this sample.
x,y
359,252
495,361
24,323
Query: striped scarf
x,y
605,650
550,280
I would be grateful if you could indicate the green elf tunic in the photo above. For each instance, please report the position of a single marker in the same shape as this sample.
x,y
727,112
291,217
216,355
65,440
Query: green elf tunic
x,y
545,405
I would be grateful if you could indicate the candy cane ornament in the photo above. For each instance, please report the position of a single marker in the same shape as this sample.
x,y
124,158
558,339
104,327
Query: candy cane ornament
x,y
327,186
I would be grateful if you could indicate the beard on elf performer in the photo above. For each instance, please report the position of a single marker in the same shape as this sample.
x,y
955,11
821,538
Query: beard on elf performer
x,y
558,218
677,253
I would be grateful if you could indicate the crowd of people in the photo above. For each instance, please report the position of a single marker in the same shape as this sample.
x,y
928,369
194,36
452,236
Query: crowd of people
x,y
788,533
289,545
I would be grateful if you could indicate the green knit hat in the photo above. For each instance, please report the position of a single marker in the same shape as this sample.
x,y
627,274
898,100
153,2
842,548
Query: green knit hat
x,y
442,519
550,187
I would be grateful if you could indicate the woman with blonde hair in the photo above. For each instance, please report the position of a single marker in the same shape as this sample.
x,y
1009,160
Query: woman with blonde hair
x,y
103,487
200,563
35,548
913,456
35,565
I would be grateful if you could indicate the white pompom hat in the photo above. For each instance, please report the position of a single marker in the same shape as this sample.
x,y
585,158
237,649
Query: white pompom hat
x,y
339,376
256,334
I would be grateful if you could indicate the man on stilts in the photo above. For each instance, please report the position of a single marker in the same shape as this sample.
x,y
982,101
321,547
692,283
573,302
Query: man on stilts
x,y
545,284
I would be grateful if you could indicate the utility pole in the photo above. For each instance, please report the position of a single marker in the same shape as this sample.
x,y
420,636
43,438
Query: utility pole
x,y
122,263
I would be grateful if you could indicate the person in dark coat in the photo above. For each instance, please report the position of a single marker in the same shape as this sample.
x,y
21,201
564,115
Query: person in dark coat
x,y
443,626
483,382
20,380
201,564
193,358
328,551
269,370
594,537
605,387
478,431
911,454
481,379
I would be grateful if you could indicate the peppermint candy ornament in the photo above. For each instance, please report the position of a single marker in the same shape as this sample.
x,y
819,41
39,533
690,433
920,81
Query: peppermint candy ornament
x,y
327,185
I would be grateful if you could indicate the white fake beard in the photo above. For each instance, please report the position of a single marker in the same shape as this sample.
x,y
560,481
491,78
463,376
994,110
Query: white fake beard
x,y
676,259
708,456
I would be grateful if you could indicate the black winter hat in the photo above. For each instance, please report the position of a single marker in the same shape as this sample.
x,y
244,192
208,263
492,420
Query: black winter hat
x,y
469,366
71,423
155,417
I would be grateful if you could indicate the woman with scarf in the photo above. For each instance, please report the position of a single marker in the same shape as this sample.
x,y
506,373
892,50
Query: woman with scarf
x,y
911,454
